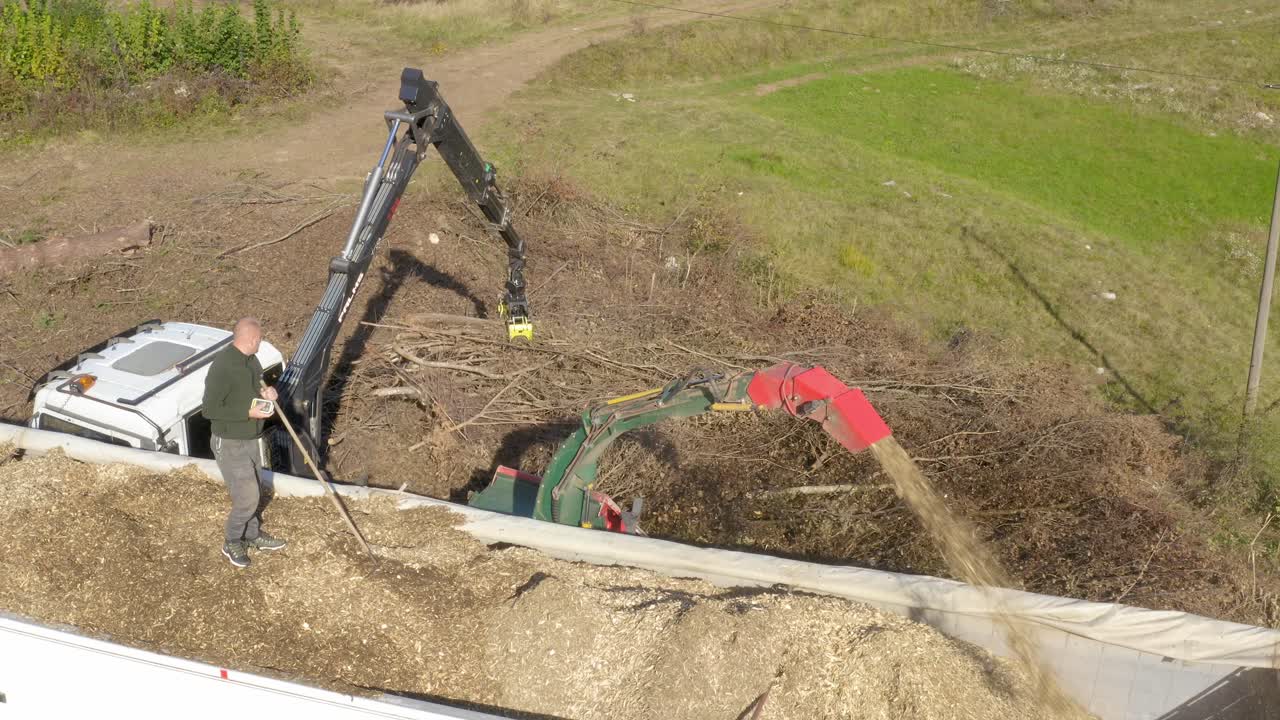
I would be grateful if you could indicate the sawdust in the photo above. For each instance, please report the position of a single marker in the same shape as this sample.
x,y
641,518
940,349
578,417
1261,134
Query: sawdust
x,y
133,556
971,561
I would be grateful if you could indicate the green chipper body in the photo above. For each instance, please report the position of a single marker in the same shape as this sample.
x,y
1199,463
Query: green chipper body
x,y
566,492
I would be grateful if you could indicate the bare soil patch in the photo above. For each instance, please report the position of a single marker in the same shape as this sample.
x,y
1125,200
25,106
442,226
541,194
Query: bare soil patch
x,y
769,88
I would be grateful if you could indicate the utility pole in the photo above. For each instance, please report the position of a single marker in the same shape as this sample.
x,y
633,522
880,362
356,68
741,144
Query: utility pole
x,y
1264,307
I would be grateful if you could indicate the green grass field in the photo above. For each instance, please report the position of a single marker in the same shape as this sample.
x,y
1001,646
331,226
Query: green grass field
x,y
1013,198
1141,180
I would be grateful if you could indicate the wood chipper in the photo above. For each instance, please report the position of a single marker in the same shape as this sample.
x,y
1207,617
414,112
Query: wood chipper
x,y
566,493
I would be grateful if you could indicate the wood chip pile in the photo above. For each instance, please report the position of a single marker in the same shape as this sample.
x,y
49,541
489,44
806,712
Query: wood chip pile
x,y
133,556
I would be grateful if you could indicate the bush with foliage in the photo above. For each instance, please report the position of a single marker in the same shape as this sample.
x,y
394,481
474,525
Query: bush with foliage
x,y
54,50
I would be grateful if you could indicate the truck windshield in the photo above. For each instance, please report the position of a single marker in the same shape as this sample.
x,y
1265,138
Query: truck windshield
x,y
56,424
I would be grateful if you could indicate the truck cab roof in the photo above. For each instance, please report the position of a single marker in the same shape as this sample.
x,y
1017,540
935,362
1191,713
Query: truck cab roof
x,y
141,383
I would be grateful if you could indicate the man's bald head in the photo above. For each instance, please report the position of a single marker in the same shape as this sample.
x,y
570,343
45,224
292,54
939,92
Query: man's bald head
x,y
247,335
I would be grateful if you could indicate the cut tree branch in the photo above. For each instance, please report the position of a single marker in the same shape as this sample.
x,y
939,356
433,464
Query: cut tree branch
x,y
303,226
55,251
516,376
446,365
824,490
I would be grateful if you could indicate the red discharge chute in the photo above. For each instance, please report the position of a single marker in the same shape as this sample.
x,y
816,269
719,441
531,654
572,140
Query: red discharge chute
x,y
816,394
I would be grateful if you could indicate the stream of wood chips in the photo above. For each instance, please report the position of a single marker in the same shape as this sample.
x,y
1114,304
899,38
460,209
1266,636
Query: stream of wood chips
x,y
972,562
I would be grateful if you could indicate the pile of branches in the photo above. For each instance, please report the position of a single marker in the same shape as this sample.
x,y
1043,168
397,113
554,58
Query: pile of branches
x,y
1074,498
1062,488
498,383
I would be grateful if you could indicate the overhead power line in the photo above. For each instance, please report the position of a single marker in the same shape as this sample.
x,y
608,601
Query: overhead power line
x,y
952,46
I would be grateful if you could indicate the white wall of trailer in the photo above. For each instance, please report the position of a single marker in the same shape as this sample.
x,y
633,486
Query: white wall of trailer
x,y
1120,662
48,674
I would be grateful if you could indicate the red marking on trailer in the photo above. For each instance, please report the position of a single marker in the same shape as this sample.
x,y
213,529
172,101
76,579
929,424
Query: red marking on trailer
x,y
223,673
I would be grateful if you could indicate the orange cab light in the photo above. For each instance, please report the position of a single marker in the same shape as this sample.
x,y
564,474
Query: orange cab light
x,y
81,383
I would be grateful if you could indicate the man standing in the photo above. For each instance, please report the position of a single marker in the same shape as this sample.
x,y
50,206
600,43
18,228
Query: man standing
x,y
234,380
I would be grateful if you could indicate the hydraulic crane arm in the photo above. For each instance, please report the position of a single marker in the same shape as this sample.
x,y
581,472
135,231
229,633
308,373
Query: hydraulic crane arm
x,y
566,493
478,178
426,121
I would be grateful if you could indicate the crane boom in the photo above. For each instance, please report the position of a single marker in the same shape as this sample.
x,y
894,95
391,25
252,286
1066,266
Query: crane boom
x,y
426,121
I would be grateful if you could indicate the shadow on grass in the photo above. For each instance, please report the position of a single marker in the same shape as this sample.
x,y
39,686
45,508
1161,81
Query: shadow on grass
x,y
1075,333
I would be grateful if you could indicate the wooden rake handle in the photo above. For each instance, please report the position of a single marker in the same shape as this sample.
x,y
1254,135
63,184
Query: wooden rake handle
x,y
324,480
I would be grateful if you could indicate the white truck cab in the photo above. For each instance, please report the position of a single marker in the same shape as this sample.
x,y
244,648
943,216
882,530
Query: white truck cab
x,y
143,389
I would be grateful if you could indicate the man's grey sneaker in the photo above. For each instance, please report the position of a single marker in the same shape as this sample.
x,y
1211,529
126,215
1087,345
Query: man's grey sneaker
x,y
236,553
266,542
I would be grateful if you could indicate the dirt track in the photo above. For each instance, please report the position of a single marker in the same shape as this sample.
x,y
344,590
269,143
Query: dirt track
x,y
84,184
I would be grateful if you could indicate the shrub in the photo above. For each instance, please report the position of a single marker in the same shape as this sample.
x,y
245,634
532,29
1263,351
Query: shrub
x,y
852,258
52,50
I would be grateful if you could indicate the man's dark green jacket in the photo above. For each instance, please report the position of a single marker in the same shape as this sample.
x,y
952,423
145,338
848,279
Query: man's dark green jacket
x,y
232,383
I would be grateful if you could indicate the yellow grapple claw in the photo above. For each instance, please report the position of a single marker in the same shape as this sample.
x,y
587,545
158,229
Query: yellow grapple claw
x,y
517,327
520,330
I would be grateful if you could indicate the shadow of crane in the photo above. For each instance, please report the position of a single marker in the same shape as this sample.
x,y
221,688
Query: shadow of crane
x,y
1076,334
401,268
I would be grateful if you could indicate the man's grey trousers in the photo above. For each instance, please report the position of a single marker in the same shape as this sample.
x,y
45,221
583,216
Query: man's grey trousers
x,y
242,474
